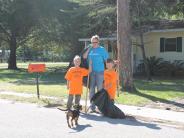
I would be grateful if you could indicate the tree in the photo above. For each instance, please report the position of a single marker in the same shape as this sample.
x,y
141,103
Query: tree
x,y
124,44
99,17
22,20
17,18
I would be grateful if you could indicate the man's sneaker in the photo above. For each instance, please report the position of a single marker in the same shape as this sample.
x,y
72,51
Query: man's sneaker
x,y
91,111
97,111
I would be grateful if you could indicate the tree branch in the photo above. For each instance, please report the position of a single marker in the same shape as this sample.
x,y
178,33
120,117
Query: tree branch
x,y
139,45
24,40
3,39
136,44
4,30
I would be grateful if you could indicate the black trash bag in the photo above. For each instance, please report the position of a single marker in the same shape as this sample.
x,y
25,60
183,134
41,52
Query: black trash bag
x,y
84,64
106,106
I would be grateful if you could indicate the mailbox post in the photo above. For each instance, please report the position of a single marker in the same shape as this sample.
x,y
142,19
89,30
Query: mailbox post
x,y
36,68
37,83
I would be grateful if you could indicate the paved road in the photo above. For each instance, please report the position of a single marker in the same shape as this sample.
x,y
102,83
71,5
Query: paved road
x,y
19,120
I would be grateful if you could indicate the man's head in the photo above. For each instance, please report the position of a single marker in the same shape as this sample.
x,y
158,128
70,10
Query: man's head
x,y
95,41
77,61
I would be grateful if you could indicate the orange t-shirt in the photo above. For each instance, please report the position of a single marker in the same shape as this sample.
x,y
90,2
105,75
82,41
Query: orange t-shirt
x,y
110,78
75,75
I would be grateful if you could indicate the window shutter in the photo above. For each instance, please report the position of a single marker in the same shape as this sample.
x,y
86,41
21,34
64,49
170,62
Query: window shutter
x,y
179,44
162,43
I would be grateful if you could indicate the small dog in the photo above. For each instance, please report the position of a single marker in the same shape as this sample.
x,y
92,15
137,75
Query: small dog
x,y
73,114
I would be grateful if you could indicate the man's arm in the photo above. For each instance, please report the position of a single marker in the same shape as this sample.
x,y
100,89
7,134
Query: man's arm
x,y
85,55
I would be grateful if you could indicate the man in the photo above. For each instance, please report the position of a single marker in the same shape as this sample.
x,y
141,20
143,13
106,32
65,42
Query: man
x,y
97,55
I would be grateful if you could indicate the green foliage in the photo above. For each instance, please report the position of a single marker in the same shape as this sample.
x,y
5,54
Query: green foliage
x,y
99,17
175,68
56,25
17,16
160,67
103,21
154,64
145,11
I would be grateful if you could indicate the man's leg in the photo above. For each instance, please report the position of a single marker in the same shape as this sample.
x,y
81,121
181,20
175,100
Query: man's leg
x,y
99,83
99,80
92,89
69,102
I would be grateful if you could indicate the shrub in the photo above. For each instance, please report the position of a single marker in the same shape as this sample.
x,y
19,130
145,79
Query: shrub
x,y
160,67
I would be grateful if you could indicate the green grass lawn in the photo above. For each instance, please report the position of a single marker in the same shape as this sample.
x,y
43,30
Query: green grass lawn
x,y
52,83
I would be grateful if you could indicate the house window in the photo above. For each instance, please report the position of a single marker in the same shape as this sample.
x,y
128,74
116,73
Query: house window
x,y
171,44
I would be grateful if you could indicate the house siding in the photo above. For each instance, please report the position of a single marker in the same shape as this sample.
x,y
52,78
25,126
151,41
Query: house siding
x,y
152,46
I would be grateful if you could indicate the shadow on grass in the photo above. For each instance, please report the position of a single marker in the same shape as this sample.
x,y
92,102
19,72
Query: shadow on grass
x,y
164,87
22,77
127,121
153,98
33,82
168,85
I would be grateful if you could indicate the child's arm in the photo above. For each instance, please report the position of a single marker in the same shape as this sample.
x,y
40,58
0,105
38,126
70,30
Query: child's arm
x,y
68,84
117,84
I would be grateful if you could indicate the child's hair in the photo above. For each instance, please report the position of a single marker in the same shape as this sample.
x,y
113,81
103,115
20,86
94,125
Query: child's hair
x,y
77,57
109,60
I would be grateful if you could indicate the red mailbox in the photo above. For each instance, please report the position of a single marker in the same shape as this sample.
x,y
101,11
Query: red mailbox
x,y
36,68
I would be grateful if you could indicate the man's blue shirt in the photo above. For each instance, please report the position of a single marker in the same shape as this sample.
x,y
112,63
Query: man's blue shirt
x,y
98,56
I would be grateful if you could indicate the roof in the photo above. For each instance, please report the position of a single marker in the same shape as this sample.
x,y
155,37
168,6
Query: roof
x,y
166,24
150,27
167,30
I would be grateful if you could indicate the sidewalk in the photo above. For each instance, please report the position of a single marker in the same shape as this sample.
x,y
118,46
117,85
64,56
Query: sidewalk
x,y
159,114
152,114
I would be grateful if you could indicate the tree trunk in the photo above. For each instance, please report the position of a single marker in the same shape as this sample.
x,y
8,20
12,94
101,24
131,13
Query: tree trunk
x,y
3,54
147,69
12,63
146,66
124,44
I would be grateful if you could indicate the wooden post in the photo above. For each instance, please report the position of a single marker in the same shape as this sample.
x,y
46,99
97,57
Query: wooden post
x,y
87,91
37,84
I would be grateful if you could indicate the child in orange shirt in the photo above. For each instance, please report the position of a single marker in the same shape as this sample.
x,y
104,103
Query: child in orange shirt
x,y
74,77
110,79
